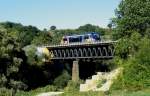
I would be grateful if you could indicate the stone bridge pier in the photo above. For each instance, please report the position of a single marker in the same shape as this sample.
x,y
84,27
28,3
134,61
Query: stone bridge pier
x,y
75,71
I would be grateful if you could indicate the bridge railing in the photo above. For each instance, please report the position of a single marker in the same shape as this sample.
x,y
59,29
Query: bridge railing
x,y
78,44
103,50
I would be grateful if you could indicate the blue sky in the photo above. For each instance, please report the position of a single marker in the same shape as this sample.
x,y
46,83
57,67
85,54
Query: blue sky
x,y
61,13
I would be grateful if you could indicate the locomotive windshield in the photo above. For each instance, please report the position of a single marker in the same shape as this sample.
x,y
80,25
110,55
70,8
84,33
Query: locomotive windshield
x,y
75,39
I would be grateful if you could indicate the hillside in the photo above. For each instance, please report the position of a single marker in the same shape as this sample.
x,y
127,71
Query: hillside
x,y
22,72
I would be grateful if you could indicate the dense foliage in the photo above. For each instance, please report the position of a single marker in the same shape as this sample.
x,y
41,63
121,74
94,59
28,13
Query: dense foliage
x,y
20,66
21,69
132,24
24,34
132,15
10,61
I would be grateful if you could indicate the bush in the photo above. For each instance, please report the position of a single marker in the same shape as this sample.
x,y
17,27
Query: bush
x,y
136,74
72,86
62,80
47,88
72,89
5,92
100,83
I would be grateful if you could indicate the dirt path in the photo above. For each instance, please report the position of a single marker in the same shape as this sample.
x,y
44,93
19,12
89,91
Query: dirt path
x,y
50,94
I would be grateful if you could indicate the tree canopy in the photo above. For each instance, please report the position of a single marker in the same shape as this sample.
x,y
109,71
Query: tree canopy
x,y
24,34
10,61
131,16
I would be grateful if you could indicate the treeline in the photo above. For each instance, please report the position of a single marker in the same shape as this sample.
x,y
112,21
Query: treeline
x,y
20,68
56,35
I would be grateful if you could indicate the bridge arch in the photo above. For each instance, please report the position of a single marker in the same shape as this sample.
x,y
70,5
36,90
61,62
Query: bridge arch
x,y
105,53
59,52
99,52
75,52
67,53
89,52
63,53
85,52
80,52
94,52
71,53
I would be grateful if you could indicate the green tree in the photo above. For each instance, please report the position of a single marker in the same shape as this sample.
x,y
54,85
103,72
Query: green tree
x,y
87,28
42,38
132,15
23,34
132,32
26,34
91,28
53,27
10,62
109,25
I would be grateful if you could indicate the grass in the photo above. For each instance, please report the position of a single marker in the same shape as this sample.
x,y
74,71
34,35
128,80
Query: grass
x,y
47,88
113,93
145,92
77,93
100,83
73,90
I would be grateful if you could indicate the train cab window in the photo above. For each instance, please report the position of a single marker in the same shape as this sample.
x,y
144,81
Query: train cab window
x,y
86,37
64,39
74,39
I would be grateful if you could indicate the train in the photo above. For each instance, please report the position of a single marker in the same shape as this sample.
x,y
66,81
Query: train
x,y
89,37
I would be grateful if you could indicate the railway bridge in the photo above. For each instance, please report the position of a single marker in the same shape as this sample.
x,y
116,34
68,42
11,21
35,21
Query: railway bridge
x,y
97,50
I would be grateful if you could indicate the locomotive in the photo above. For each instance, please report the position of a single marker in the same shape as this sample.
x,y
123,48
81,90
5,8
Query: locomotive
x,y
91,37
83,38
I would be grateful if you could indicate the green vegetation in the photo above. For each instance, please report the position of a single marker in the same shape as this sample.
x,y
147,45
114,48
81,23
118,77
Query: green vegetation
x,y
100,83
72,89
47,88
22,72
130,93
132,51
21,68
62,80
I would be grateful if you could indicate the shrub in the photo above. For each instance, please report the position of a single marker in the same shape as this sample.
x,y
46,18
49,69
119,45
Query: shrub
x,y
5,92
47,88
62,80
101,82
136,69
72,86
